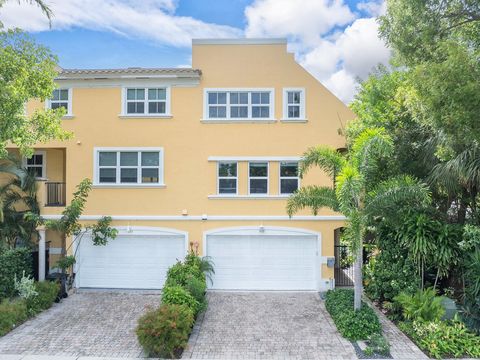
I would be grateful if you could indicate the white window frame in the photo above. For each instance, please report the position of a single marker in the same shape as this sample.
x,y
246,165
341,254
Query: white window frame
x,y
259,178
249,117
280,177
69,114
145,114
118,150
226,177
302,104
43,166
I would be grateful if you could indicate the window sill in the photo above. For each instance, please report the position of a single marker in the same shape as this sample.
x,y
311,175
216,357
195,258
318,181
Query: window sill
x,y
145,116
249,197
126,186
237,121
68,117
294,120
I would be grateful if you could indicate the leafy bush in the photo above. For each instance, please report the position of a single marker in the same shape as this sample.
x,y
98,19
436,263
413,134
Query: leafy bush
x,y
423,305
164,331
377,344
47,293
12,314
353,325
197,289
25,286
179,273
177,295
205,264
470,313
13,263
443,338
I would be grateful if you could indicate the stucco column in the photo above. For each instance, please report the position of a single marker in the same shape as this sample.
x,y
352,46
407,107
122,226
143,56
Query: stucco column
x,y
41,254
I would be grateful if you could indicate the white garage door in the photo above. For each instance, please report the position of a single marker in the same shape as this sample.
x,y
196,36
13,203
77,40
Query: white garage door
x,y
137,260
264,261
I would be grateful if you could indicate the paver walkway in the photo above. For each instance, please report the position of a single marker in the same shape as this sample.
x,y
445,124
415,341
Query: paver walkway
x,y
267,325
84,324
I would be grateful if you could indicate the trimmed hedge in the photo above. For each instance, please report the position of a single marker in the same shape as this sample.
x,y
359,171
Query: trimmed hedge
x,y
47,294
13,263
353,325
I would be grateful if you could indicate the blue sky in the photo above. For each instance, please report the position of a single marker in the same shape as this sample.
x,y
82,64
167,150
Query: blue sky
x,y
335,40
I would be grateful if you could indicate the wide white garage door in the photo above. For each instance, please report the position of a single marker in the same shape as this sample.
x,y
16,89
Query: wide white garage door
x,y
131,261
264,262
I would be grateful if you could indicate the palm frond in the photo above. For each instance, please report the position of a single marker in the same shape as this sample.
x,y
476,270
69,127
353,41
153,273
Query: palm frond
x,y
43,6
348,189
327,159
388,195
312,197
370,146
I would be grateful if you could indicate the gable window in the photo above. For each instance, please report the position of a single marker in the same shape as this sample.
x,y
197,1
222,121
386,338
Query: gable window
x,y
61,98
147,101
129,167
36,165
239,104
227,178
294,104
258,178
288,177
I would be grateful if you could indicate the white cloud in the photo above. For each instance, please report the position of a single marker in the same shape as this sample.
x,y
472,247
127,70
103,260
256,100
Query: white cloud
x,y
331,42
150,19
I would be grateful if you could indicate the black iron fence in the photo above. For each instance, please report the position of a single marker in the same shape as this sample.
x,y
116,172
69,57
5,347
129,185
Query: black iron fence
x,y
55,194
343,270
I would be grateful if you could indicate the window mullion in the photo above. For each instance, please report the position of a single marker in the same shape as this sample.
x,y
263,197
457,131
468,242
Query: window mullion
x,y
139,167
228,104
117,170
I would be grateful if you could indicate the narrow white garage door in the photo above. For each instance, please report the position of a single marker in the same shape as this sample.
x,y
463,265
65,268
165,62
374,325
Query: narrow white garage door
x,y
131,261
264,262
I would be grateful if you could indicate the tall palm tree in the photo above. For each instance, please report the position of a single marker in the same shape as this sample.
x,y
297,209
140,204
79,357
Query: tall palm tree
x,y
356,193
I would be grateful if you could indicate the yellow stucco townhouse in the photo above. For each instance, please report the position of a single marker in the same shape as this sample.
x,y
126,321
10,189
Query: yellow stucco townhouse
x,y
206,155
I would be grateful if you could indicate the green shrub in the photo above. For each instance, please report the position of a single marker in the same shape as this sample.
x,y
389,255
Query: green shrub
x,y
47,293
164,331
25,286
424,305
205,264
377,344
197,289
179,273
13,263
442,339
353,325
12,314
177,295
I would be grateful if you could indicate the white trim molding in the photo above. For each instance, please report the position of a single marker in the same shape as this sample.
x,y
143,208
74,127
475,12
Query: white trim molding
x,y
69,114
254,158
44,164
241,41
249,197
302,105
167,114
205,217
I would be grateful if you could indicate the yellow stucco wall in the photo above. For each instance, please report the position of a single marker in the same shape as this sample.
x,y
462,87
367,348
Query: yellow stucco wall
x,y
188,143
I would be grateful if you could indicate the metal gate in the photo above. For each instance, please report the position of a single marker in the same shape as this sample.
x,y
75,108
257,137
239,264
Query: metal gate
x,y
343,266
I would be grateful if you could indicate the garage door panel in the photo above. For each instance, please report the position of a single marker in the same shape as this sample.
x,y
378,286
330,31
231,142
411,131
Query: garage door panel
x,y
263,262
129,261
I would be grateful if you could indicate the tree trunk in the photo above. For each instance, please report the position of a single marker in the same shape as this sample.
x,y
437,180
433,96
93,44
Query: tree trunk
x,y
358,278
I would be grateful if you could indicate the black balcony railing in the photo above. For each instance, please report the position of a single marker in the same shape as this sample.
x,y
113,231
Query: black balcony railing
x,y
55,194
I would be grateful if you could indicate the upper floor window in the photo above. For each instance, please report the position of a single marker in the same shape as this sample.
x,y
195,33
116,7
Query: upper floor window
x,y
258,178
227,178
147,101
289,180
61,98
294,104
129,166
239,104
37,164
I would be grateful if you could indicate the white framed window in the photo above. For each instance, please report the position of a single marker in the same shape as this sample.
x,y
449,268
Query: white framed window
x,y
61,98
37,164
227,179
146,101
258,178
239,104
289,180
293,104
128,166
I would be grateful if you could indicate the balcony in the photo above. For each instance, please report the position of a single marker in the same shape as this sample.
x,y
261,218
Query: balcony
x,y
55,194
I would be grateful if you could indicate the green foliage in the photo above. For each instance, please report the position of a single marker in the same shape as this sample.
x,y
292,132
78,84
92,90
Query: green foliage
x,y
443,339
164,332
377,344
424,305
25,286
13,263
179,273
66,262
197,289
204,264
47,293
352,324
470,313
102,232
177,295
12,314
27,71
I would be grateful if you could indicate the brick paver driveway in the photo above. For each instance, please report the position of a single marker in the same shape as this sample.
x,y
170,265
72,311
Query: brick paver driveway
x,y
267,325
85,324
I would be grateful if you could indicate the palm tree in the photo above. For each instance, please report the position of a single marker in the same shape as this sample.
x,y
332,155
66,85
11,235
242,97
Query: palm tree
x,y
40,3
356,193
